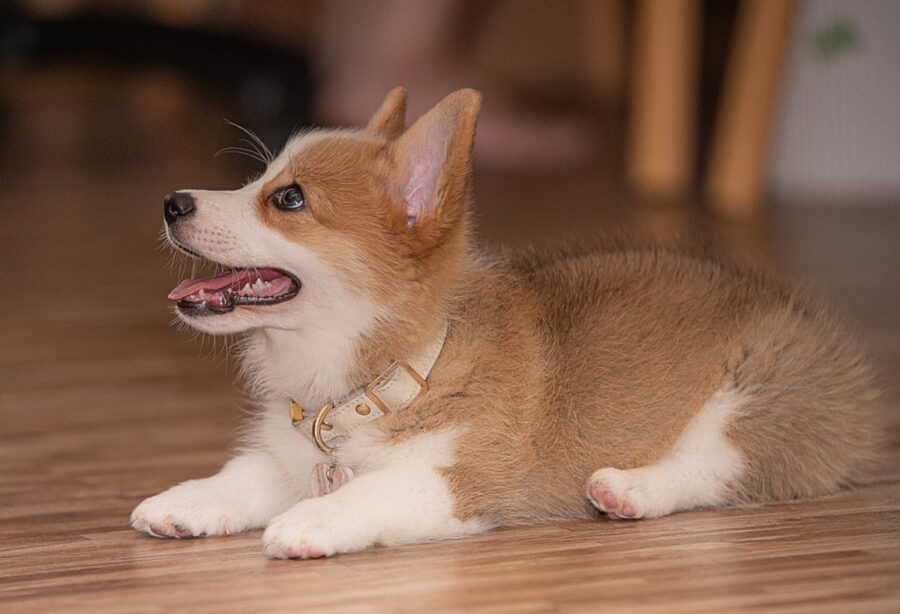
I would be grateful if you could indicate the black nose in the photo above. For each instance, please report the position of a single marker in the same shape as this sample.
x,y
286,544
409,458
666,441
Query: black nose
x,y
176,205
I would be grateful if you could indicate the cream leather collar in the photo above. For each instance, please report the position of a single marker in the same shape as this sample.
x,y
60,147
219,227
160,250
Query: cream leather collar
x,y
393,390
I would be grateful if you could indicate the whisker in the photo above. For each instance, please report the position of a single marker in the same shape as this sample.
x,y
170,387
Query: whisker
x,y
269,156
253,155
249,151
252,145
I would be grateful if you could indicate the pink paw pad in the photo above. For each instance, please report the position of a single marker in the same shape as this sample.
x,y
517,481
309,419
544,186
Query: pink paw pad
x,y
609,500
613,503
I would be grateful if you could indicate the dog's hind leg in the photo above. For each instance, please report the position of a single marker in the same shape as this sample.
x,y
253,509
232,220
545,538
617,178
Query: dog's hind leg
x,y
697,472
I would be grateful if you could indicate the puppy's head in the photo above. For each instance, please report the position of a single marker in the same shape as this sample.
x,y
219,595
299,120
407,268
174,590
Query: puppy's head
x,y
373,219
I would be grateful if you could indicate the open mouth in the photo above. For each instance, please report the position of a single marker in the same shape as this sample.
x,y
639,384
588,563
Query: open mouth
x,y
222,293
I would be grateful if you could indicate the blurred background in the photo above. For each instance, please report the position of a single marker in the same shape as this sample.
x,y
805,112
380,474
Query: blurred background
x,y
769,129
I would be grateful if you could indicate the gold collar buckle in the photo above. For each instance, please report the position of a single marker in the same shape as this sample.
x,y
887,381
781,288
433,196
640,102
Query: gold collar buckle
x,y
320,425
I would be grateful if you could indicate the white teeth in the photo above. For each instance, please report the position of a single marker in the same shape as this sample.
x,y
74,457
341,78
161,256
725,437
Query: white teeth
x,y
258,285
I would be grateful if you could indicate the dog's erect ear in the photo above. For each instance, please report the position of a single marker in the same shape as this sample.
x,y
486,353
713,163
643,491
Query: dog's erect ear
x,y
434,157
389,120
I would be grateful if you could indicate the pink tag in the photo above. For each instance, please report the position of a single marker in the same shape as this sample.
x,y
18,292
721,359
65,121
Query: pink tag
x,y
327,479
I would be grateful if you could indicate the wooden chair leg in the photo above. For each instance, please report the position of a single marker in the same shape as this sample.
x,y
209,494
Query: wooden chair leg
x,y
661,136
735,180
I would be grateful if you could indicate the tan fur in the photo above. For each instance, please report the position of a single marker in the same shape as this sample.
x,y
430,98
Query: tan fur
x,y
629,347
389,120
560,363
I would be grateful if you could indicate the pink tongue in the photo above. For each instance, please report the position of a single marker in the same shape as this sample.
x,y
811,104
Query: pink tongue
x,y
192,286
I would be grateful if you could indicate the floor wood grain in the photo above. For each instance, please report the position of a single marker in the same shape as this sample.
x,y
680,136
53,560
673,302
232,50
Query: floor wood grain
x,y
103,403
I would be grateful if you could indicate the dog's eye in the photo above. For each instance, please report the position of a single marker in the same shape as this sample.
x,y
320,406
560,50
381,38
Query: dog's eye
x,y
290,198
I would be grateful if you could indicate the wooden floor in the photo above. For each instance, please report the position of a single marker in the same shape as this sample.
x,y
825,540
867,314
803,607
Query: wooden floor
x,y
102,403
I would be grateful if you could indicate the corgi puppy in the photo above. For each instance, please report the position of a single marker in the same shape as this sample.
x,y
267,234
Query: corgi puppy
x,y
412,388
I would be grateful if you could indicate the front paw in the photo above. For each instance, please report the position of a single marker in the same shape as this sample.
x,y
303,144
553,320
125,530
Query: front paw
x,y
190,509
311,529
